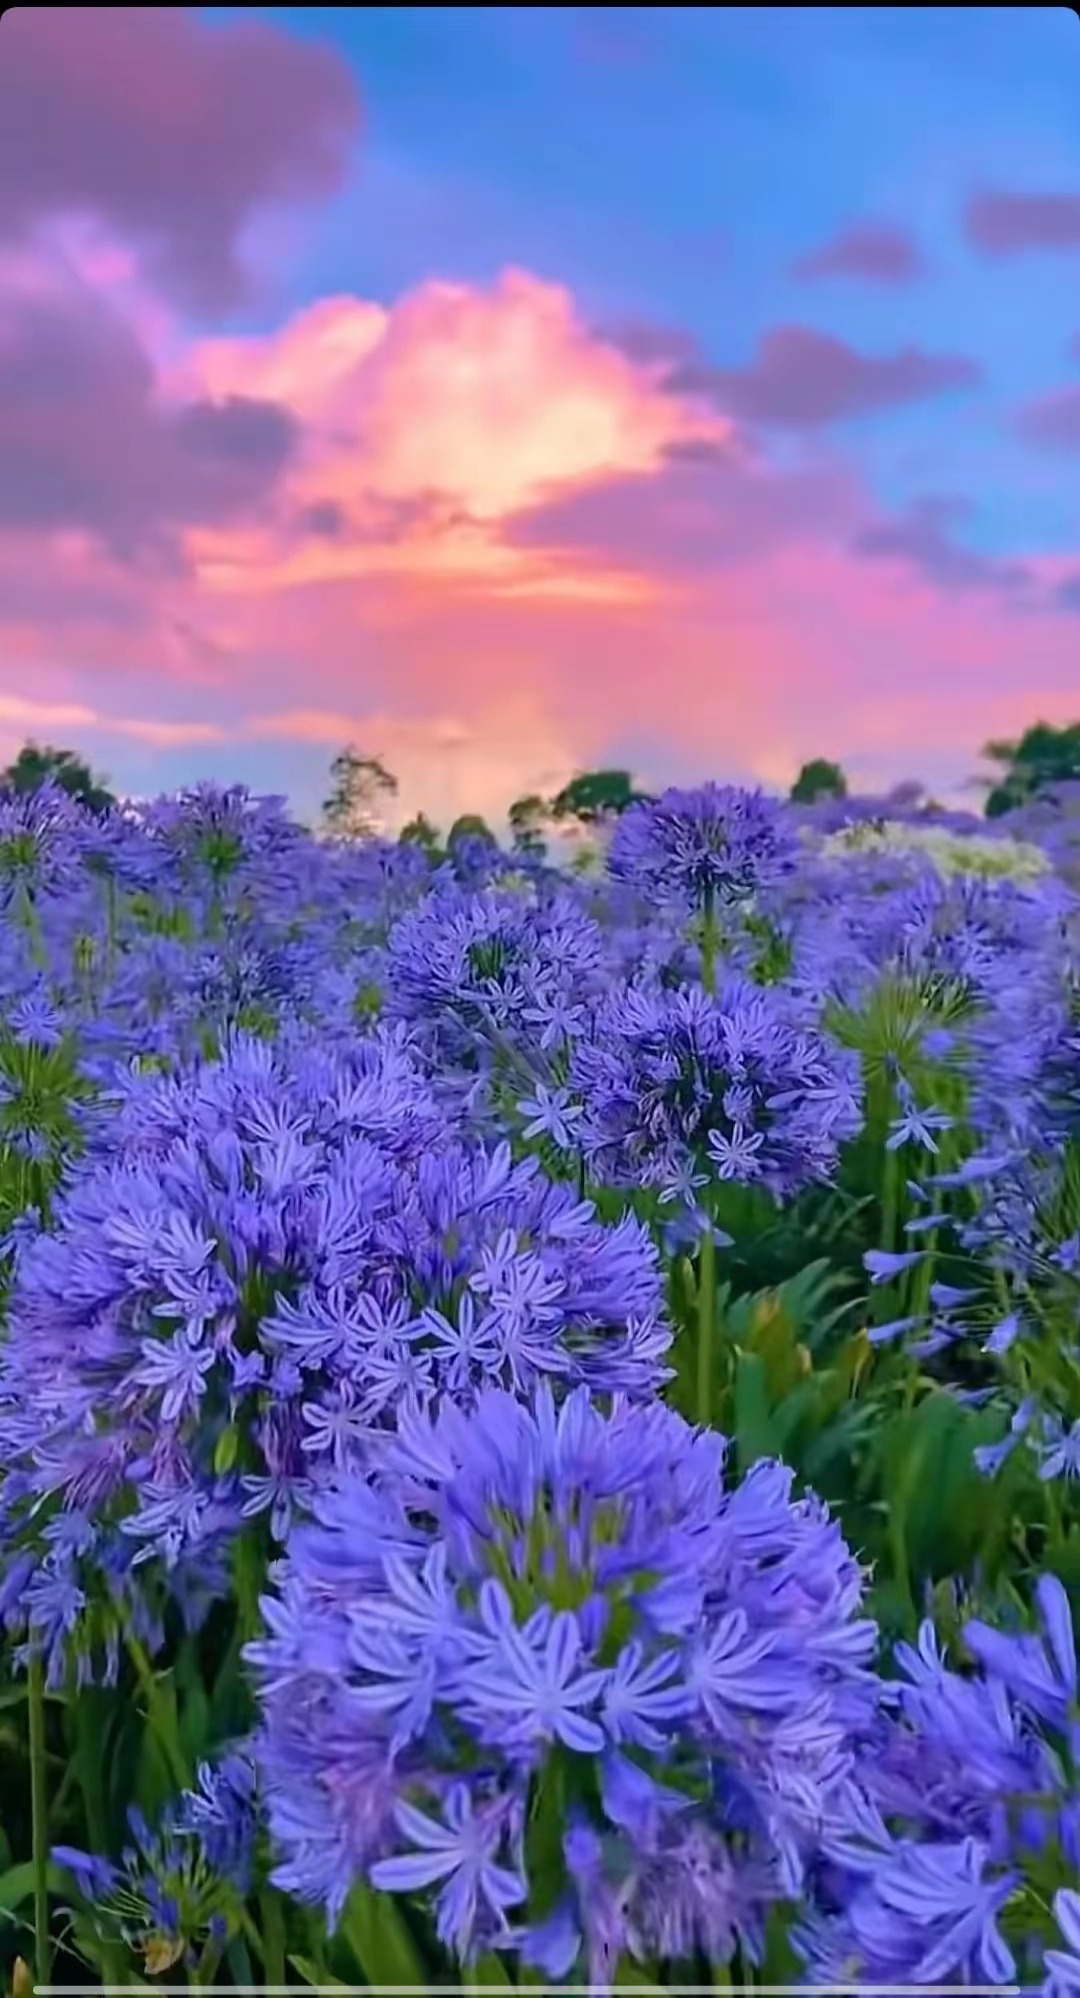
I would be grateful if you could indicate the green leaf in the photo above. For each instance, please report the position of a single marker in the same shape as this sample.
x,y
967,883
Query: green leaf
x,y
17,1885
317,1974
378,1937
489,1973
226,1450
753,1415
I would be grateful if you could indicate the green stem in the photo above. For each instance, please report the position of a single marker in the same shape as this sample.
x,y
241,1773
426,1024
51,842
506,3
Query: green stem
x,y
272,1942
161,1718
706,1327
709,940
39,1809
890,1200
89,1730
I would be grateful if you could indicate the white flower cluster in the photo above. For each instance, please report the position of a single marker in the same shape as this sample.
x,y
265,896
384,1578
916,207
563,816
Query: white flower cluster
x,y
951,853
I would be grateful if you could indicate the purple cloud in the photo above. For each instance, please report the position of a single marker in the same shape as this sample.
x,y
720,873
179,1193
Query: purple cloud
x,y
705,508
1007,225
85,442
1067,595
1053,422
876,251
921,539
173,132
805,380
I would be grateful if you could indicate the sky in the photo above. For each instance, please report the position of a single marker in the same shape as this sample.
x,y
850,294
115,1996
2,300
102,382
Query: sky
x,y
512,391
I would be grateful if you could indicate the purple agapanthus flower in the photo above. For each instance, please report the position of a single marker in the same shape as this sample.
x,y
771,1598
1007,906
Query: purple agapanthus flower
x,y
740,1086
715,845
277,1249
525,1587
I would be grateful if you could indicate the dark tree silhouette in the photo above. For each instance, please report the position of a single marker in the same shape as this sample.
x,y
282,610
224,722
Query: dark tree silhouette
x,y
818,779
527,818
360,786
596,795
1044,757
470,826
36,763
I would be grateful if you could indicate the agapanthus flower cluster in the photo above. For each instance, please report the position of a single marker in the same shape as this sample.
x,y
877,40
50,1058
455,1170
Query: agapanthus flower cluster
x,y
973,1815
552,1669
715,846
274,1250
499,979
680,1089
177,1886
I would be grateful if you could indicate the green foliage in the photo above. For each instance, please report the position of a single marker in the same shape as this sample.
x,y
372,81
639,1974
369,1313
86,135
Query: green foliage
x,y
37,763
527,818
596,795
1043,757
818,779
470,826
420,832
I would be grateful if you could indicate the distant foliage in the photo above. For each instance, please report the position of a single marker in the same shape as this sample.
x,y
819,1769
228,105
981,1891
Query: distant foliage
x,y
37,764
361,788
1043,758
818,779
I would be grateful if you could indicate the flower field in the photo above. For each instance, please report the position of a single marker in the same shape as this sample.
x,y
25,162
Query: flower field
x,y
539,1410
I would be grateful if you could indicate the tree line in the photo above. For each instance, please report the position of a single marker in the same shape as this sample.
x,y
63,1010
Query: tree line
x,y
362,789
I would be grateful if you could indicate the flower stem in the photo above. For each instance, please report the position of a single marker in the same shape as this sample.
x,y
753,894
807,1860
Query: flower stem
x,y
890,1200
39,1810
709,940
161,1717
706,1326
272,1939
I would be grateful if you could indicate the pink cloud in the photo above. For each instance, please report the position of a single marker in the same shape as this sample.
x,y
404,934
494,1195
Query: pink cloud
x,y
1008,225
428,424
876,251
805,380
502,548
175,132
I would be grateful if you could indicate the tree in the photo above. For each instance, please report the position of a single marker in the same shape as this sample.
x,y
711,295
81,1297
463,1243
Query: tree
x,y
1045,756
361,786
470,826
527,818
37,763
596,795
818,779
421,832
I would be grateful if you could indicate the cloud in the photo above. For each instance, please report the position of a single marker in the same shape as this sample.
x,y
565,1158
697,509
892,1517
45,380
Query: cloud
x,y
49,720
428,424
921,538
803,380
176,132
1053,422
876,251
499,548
1068,593
86,441
707,508
1010,225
